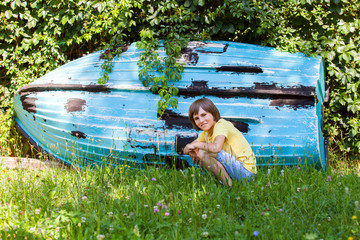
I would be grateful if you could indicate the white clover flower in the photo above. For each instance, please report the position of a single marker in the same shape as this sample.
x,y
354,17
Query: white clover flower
x,y
37,211
190,220
204,216
282,173
205,234
100,237
83,219
110,214
346,190
218,205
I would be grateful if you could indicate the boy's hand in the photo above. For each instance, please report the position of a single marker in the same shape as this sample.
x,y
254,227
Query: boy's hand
x,y
188,148
194,154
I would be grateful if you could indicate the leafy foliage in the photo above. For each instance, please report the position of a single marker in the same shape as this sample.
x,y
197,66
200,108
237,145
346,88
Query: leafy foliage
x,y
169,71
37,36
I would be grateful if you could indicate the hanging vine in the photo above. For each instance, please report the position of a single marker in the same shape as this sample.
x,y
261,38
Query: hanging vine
x,y
161,73
168,21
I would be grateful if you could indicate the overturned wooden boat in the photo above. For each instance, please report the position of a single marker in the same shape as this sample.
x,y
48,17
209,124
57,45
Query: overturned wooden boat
x,y
274,98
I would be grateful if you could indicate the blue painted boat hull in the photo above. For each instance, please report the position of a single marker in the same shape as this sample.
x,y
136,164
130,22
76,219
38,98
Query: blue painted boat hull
x,y
274,98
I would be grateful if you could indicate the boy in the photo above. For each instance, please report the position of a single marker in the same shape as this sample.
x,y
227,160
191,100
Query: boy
x,y
220,148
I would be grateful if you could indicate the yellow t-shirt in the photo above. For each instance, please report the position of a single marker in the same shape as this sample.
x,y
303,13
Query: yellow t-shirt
x,y
235,143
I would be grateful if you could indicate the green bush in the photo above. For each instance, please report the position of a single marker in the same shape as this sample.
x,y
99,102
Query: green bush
x,y
37,36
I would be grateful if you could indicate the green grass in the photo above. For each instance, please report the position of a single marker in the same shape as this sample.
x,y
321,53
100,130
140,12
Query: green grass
x,y
296,203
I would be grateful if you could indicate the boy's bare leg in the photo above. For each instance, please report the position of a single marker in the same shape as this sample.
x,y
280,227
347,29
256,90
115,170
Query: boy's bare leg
x,y
209,162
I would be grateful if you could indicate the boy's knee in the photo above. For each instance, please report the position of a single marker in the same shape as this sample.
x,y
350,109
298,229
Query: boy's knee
x,y
202,154
204,158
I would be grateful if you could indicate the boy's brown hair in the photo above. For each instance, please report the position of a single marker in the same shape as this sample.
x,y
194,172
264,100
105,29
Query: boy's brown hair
x,y
207,105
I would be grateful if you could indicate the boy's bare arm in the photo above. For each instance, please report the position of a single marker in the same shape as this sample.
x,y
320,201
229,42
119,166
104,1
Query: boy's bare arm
x,y
210,147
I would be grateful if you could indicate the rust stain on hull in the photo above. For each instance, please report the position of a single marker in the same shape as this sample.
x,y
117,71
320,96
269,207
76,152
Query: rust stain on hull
x,y
64,87
28,103
124,48
240,69
78,134
175,121
199,85
191,55
216,52
75,105
293,103
300,95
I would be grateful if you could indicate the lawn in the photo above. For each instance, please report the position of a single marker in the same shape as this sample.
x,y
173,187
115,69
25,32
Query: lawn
x,y
297,202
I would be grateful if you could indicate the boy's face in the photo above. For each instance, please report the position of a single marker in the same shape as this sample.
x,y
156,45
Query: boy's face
x,y
204,120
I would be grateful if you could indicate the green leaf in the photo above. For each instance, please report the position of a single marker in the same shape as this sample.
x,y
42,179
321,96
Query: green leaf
x,y
72,20
34,4
353,133
32,23
35,41
231,28
346,56
12,5
64,20
207,20
187,3
8,14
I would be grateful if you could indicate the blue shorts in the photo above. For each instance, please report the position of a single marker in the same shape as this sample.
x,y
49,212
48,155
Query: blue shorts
x,y
234,168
